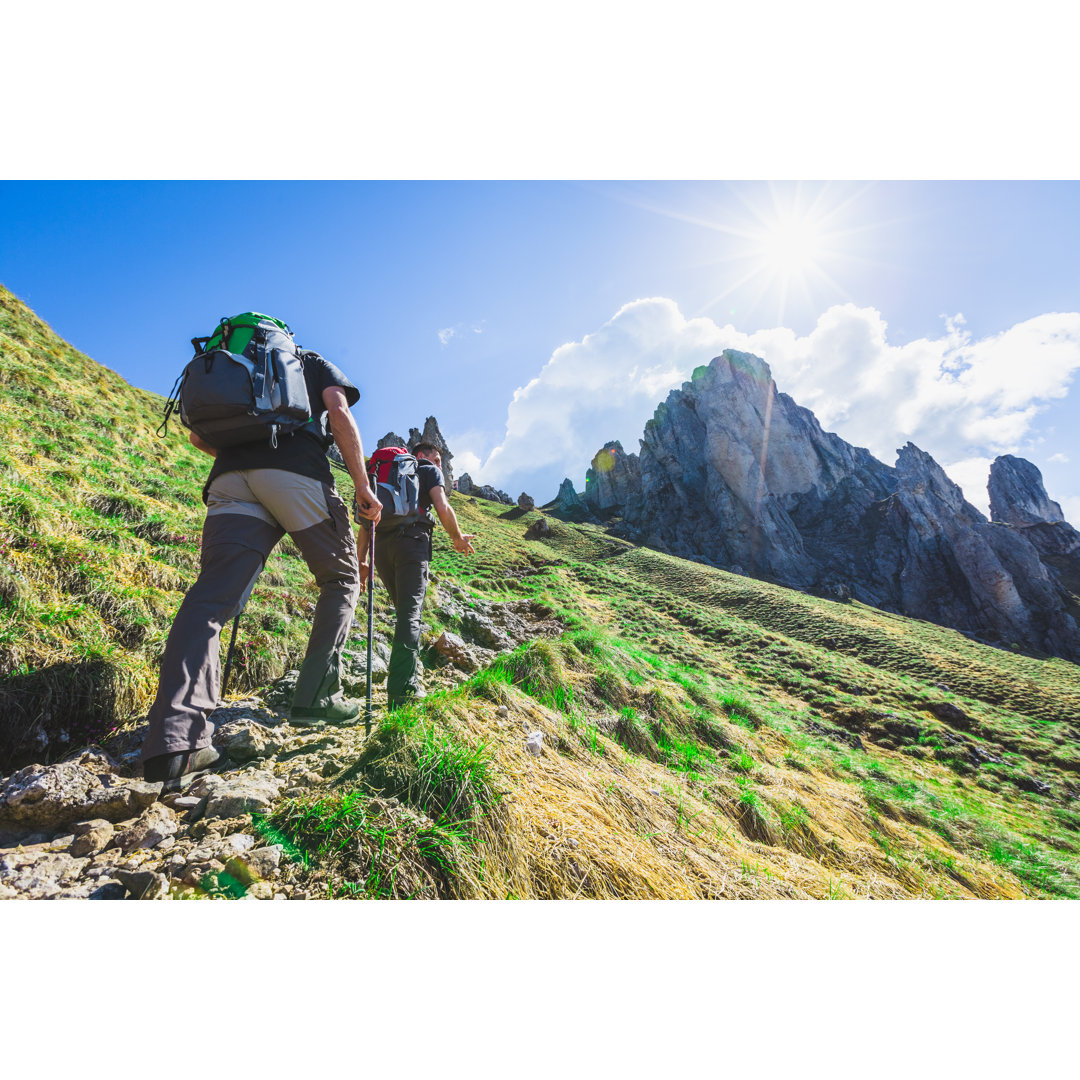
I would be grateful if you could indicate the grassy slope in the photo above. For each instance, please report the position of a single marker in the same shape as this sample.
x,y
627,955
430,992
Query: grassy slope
x,y
705,734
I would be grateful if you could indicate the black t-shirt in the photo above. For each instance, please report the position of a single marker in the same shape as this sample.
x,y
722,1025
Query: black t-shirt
x,y
430,476
304,451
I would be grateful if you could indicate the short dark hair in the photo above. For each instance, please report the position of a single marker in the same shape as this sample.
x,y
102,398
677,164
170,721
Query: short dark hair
x,y
427,448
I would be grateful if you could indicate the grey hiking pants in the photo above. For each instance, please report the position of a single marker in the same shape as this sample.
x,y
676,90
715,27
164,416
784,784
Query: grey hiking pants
x,y
248,512
402,559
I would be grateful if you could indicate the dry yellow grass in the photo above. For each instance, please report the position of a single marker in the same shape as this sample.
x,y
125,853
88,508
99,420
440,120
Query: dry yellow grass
x,y
575,824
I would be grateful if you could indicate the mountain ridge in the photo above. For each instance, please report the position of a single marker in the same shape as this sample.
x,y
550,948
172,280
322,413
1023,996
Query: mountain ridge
x,y
733,472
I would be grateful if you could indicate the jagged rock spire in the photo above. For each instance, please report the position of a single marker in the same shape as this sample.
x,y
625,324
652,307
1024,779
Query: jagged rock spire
x,y
431,434
1017,494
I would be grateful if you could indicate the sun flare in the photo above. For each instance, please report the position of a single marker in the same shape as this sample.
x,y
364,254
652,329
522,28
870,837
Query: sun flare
x,y
791,245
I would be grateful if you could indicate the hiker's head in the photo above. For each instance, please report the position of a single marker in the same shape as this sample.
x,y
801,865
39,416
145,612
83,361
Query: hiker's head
x,y
429,452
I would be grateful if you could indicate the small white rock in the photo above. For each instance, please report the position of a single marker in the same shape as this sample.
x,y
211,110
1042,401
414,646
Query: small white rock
x,y
238,843
535,743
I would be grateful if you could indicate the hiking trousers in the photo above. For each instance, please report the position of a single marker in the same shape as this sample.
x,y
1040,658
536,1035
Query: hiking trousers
x,y
401,559
248,512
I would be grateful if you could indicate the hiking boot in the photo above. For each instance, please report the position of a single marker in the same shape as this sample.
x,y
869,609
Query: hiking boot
x,y
179,769
405,699
337,712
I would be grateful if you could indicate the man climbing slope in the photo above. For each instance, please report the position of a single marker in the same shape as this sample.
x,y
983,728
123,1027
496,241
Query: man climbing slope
x,y
403,555
257,491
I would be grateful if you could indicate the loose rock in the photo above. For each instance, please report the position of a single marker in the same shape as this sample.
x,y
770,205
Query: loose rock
x,y
156,822
91,837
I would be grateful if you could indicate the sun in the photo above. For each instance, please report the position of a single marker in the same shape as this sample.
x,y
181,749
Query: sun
x,y
787,247
791,245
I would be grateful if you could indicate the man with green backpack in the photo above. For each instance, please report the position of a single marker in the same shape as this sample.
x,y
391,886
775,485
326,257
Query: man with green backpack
x,y
265,411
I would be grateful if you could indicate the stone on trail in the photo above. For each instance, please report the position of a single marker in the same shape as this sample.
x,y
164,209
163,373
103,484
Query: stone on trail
x,y
91,837
143,884
244,740
456,651
237,843
255,866
535,743
156,822
47,797
237,796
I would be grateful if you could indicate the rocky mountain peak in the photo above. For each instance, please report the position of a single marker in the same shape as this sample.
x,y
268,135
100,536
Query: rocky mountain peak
x,y
568,504
733,473
1017,494
431,434
613,481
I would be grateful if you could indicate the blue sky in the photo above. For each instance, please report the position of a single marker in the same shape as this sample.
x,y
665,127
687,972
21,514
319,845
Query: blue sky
x,y
446,298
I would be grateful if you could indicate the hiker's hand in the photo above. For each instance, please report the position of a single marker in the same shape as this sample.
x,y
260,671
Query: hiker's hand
x,y
461,543
369,506
365,573
361,515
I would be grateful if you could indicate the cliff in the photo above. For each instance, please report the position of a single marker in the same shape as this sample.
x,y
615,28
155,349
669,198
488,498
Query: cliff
x,y
735,474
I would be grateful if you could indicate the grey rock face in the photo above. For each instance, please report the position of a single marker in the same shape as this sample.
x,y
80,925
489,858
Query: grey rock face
x,y
1017,495
732,473
526,502
431,434
613,484
466,486
568,504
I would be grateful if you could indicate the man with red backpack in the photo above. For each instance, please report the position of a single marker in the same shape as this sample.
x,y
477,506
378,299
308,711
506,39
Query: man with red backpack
x,y
409,487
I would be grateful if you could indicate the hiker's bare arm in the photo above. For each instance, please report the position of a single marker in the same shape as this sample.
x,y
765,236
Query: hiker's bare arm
x,y
450,522
200,445
347,436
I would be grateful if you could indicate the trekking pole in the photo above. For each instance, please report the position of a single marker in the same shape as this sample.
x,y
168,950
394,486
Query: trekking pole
x,y
370,622
229,655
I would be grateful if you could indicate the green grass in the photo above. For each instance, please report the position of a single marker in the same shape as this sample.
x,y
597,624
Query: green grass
x,y
349,845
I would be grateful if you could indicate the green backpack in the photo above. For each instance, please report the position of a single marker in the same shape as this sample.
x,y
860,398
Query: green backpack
x,y
245,383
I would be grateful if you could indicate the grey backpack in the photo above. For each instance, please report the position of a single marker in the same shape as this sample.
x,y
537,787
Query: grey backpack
x,y
246,383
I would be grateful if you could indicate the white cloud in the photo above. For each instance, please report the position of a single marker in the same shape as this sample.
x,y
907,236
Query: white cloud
x,y
449,332
465,461
1058,459
962,400
972,475
1070,507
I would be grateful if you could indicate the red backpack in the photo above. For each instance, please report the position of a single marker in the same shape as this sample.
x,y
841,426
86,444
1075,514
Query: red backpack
x,y
397,486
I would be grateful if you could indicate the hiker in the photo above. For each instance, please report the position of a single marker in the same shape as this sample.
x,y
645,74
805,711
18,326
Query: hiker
x,y
402,555
256,493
